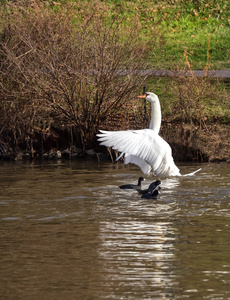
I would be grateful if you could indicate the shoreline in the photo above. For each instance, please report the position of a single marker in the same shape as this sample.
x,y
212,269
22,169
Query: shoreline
x,y
189,143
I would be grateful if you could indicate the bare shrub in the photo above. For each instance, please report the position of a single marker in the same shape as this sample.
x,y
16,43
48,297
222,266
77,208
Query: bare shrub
x,y
60,69
190,94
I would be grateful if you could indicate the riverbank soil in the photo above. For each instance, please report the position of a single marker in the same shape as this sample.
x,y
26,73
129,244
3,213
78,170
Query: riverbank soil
x,y
191,143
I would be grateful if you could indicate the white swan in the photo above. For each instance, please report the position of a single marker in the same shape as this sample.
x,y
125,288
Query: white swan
x,y
144,147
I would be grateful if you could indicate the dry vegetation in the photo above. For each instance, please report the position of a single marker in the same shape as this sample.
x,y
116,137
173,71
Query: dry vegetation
x,y
64,73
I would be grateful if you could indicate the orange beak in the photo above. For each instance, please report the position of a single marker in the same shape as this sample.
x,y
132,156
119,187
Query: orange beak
x,y
142,96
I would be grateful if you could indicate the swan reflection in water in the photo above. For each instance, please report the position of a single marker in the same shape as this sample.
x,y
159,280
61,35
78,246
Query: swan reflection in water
x,y
138,256
137,241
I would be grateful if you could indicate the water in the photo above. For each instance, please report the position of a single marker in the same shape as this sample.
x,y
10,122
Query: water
x,y
68,232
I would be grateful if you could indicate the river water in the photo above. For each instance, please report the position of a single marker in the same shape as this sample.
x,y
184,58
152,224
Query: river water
x,y
68,232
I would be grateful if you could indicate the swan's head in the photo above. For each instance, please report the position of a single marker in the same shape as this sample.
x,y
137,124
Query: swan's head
x,y
149,96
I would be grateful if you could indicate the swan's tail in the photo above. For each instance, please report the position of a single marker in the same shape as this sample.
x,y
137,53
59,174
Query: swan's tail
x,y
191,174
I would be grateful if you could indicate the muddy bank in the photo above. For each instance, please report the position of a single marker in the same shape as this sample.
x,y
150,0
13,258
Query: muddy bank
x,y
192,143
188,141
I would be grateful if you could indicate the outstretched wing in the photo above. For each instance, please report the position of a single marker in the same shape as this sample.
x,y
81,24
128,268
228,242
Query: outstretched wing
x,y
145,144
141,163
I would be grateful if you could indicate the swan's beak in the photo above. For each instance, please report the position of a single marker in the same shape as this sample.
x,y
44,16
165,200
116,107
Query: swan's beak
x,y
142,96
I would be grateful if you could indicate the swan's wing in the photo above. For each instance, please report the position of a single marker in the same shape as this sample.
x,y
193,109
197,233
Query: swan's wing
x,y
141,163
146,145
133,159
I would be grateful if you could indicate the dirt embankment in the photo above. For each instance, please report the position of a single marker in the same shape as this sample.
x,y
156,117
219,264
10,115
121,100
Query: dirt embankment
x,y
192,143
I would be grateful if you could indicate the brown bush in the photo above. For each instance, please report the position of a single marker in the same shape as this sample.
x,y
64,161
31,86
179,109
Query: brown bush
x,y
65,70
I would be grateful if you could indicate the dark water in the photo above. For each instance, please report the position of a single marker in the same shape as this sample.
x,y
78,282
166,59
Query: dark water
x,y
68,232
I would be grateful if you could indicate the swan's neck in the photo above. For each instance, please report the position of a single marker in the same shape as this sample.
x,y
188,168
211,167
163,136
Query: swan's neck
x,y
155,123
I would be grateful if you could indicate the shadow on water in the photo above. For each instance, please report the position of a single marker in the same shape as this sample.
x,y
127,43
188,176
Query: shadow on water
x,y
68,231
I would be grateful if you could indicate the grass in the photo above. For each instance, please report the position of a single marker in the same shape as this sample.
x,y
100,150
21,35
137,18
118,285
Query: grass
x,y
182,26
195,40
212,104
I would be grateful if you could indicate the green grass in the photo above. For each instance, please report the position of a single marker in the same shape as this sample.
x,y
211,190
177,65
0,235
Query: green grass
x,y
181,25
213,101
198,40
